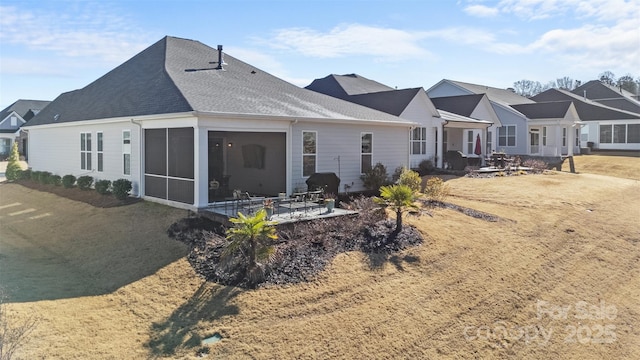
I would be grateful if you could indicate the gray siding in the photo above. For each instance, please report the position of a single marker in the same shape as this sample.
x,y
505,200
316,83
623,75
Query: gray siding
x,y
509,118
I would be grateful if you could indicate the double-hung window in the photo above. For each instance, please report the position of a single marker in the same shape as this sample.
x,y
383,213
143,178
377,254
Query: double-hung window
x,y
100,148
419,141
366,152
309,152
126,152
507,135
564,136
85,151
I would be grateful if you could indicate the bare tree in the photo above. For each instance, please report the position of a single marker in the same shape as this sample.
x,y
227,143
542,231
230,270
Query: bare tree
x,y
527,88
566,83
14,333
607,77
628,83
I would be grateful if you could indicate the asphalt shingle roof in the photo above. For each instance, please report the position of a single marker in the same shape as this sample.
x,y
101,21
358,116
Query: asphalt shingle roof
x,y
547,110
178,75
462,105
342,86
22,107
608,95
503,96
587,109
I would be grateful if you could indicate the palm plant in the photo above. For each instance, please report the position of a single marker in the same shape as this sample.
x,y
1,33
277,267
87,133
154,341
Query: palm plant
x,y
251,236
399,198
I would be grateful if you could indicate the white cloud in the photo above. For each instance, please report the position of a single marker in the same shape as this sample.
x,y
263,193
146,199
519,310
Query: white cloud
x,y
353,39
481,11
603,10
87,30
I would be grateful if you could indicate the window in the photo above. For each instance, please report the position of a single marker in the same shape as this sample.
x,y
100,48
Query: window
x,y
633,133
85,151
489,143
620,133
419,141
100,152
126,152
309,152
564,136
14,121
605,134
444,141
544,136
366,152
507,135
577,138
470,142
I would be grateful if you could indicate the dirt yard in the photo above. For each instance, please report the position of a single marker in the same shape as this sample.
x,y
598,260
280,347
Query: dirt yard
x,y
556,277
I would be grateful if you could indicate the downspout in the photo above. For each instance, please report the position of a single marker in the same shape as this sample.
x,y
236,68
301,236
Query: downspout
x,y
140,187
289,152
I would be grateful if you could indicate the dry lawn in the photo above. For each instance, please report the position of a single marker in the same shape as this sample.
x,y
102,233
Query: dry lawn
x,y
109,284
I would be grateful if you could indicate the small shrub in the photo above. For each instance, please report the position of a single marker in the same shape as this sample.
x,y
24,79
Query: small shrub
x,y
84,182
25,174
44,177
537,166
35,175
426,167
375,177
55,180
411,179
102,186
436,189
13,167
68,181
121,188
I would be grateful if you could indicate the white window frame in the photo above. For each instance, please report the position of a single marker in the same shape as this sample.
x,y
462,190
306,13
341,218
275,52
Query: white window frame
x,y
489,142
544,136
421,140
126,150
564,136
100,150
362,153
507,136
313,155
85,151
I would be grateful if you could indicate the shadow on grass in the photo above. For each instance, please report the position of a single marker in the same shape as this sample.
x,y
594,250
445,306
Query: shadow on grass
x,y
377,261
179,331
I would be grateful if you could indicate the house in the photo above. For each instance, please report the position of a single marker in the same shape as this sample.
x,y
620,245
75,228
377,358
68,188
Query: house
x,y
517,133
480,121
11,120
412,104
180,114
608,95
606,127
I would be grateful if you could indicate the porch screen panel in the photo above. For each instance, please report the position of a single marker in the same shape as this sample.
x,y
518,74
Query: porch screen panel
x,y
180,190
155,150
633,134
155,186
180,154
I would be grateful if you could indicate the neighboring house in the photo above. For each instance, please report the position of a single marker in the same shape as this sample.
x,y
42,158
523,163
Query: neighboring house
x,y
611,96
178,115
479,120
411,104
517,133
11,120
605,127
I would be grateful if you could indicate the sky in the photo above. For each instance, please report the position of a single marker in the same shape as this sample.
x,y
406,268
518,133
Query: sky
x,y
48,47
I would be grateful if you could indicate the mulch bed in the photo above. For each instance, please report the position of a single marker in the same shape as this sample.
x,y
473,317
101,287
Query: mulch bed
x,y
302,251
90,197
